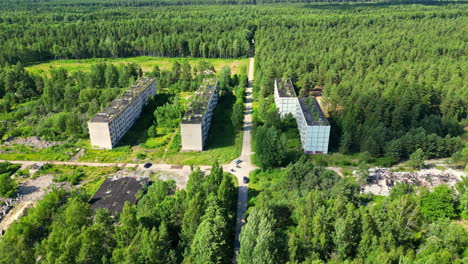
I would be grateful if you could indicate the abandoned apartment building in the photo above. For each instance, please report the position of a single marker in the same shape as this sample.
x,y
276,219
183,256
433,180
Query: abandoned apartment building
x,y
196,122
110,125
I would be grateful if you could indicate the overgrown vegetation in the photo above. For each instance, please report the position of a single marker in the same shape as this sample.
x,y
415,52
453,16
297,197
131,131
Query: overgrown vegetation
x,y
166,226
8,185
306,214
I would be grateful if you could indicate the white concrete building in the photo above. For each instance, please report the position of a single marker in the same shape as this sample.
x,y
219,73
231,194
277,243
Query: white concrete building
x,y
285,97
196,122
313,126
110,125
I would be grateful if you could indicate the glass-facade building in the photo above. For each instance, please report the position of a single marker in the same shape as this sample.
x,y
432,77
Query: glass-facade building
x,y
313,126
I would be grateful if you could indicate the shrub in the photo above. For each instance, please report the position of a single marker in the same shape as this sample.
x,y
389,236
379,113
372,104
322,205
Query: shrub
x,y
8,186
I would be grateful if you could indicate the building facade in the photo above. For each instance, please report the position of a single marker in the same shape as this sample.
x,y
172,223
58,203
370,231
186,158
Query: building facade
x,y
110,125
196,122
285,97
313,126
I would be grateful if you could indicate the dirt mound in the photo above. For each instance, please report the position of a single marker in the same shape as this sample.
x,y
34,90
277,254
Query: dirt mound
x,y
35,142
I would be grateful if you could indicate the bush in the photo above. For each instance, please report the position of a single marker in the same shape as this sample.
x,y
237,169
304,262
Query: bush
x,y
152,131
438,204
8,186
140,155
321,161
417,159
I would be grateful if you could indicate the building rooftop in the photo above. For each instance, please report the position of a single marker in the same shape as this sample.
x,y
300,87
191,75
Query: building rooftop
x,y
120,103
200,101
312,112
114,192
285,88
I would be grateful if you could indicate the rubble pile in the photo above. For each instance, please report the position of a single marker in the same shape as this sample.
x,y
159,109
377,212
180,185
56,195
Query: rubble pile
x,y
6,204
381,180
35,142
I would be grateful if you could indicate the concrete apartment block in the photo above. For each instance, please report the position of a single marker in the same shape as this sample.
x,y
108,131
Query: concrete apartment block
x,y
285,97
110,125
196,122
313,126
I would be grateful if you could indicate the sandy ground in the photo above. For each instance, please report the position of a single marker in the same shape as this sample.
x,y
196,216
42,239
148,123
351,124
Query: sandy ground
x,y
430,178
30,192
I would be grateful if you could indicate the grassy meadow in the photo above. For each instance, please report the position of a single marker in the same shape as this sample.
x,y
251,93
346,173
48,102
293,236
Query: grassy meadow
x,y
147,63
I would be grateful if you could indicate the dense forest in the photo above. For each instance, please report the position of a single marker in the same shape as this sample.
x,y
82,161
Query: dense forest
x,y
167,225
384,83
393,82
306,214
387,88
172,32
32,4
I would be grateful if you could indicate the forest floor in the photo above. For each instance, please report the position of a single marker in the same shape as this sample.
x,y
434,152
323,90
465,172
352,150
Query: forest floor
x,y
147,63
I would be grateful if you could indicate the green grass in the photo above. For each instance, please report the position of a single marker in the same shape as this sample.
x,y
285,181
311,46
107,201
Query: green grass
x,y
91,179
147,63
119,154
22,152
224,143
90,188
89,172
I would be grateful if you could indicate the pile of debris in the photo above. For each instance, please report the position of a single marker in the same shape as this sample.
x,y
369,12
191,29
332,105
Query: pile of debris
x,y
381,180
6,204
35,142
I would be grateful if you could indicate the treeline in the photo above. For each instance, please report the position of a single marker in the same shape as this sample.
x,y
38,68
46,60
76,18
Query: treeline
x,y
166,226
305,214
58,106
381,78
210,32
28,4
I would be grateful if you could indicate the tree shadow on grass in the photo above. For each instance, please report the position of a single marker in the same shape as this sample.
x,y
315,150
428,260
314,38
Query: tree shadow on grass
x,y
138,133
222,133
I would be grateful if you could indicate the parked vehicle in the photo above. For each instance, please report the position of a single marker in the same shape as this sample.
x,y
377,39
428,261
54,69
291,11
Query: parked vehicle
x,y
147,165
246,180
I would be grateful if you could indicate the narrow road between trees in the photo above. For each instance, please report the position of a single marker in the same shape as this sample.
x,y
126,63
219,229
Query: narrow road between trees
x,y
246,166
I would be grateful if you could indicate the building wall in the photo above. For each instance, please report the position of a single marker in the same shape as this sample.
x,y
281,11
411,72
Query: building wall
x,y
314,139
107,134
194,135
99,135
285,105
191,135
